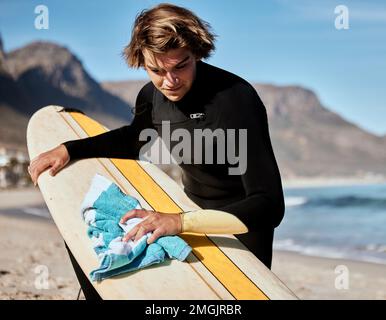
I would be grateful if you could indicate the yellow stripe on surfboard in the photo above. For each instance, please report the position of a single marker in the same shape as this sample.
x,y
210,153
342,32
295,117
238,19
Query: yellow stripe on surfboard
x,y
231,277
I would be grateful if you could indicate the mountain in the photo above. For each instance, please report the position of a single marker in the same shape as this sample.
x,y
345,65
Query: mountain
x,y
311,140
2,57
50,74
308,139
127,90
12,122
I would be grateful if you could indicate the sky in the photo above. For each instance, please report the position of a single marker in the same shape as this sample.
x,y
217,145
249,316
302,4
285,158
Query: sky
x,y
281,42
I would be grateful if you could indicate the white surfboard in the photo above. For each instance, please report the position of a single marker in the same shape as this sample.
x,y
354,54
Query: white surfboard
x,y
219,267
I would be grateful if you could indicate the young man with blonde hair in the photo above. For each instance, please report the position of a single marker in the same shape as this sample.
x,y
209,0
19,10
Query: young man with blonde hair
x,y
169,42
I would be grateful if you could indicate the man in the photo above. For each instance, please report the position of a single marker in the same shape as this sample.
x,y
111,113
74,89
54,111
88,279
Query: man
x,y
169,42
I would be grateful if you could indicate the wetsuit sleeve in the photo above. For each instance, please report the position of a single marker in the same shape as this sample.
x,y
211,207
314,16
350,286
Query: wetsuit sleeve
x,y
121,143
263,205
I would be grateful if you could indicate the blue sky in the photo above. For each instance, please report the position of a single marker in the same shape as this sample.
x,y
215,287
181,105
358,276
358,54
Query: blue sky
x,y
283,42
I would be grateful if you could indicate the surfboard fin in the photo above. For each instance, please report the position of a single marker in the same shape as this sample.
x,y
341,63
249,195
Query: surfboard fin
x,y
212,222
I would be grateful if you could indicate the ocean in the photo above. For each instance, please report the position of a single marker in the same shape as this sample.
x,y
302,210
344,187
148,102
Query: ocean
x,y
335,221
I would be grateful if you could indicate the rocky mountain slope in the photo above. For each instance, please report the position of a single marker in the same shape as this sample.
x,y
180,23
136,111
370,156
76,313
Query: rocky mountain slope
x,y
44,73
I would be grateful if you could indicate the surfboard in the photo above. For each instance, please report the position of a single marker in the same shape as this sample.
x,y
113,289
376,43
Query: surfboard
x,y
219,267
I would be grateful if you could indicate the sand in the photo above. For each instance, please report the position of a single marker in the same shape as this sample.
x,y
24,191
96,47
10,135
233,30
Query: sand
x,y
34,263
322,278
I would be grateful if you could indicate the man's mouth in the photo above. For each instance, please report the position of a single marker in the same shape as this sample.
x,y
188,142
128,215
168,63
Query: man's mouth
x,y
173,89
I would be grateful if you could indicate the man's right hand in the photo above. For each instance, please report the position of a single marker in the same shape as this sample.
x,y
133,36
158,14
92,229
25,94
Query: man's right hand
x,y
56,159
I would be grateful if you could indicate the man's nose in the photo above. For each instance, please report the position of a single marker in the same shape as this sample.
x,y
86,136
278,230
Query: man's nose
x,y
171,79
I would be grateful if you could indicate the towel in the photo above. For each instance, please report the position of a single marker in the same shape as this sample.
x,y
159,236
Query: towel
x,y
102,209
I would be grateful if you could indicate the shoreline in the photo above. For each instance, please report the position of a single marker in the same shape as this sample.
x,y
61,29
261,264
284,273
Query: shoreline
x,y
298,182
330,182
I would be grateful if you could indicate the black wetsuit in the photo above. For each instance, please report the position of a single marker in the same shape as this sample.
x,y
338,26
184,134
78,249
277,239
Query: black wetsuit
x,y
223,101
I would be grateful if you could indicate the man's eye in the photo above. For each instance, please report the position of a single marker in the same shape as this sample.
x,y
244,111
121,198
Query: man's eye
x,y
155,70
181,66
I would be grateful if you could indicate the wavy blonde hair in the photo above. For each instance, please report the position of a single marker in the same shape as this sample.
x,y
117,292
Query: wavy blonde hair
x,y
166,27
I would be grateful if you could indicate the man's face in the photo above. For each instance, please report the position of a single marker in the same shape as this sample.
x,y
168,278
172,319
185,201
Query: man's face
x,y
172,72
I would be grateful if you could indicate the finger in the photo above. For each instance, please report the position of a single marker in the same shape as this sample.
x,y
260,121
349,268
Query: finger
x,y
54,169
32,172
136,233
142,231
135,213
37,169
156,234
33,160
34,175
131,233
36,160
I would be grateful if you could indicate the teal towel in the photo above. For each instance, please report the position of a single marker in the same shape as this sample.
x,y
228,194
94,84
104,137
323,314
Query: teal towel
x,y
102,209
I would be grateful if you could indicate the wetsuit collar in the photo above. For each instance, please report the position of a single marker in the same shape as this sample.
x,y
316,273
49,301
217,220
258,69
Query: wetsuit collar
x,y
194,90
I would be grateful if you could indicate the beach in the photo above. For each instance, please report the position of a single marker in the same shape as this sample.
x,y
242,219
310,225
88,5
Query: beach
x,y
34,263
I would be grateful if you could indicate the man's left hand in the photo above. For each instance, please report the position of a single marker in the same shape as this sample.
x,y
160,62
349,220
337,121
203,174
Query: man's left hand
x,y
161,224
